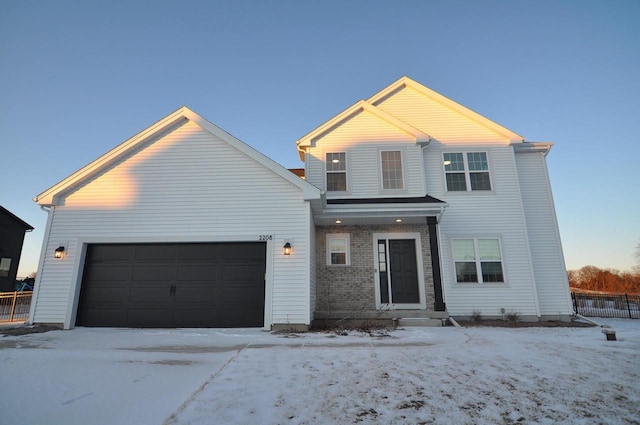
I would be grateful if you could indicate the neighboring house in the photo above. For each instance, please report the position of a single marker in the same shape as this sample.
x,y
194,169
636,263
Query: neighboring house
x,y
411,206
12,230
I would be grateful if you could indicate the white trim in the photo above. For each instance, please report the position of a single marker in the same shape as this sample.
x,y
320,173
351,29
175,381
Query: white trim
x,y
43,253
477,261
347,181
381,171
422,305
334,236
467,172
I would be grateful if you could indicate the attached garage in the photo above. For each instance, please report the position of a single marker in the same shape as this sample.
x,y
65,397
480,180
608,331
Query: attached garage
x,y
182,225
173,285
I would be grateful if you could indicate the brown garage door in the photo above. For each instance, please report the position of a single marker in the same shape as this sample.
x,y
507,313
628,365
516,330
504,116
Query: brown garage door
x,y
173,285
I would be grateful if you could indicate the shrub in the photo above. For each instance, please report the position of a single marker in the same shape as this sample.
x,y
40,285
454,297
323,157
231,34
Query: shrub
x,y
476,315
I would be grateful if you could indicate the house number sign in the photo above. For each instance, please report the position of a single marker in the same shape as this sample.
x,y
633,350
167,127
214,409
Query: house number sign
x,y
265,237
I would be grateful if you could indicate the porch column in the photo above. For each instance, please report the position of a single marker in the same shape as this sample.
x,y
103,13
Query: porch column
x,y
439,304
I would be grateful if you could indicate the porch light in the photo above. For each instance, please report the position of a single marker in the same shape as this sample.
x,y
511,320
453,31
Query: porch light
x,y
338,221
59,252
398,220
287,248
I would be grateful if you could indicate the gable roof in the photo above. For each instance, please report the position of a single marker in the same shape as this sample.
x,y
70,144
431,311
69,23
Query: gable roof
x,y
166,124
405,81
27,227
360,106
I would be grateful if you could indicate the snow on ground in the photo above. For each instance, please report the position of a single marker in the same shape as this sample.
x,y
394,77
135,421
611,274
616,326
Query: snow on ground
x,y
245,376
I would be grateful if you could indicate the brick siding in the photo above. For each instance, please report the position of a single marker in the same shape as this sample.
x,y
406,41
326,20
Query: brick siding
x,y
352,288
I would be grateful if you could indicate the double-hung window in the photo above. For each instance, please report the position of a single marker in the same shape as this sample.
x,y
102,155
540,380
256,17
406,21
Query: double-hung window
x,y
391,162
338,249
466,171
477,260
336,163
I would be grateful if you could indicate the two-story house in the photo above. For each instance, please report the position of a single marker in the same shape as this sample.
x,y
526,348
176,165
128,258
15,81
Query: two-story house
x,y
412,206
429,206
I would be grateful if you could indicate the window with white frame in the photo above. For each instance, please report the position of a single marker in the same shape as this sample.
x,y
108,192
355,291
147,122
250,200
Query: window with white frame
x,y
391,162
477,260
336,163
338,249
466,171
5,266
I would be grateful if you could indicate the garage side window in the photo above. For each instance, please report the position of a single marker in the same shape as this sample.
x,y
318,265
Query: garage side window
x,y
5,266
338,249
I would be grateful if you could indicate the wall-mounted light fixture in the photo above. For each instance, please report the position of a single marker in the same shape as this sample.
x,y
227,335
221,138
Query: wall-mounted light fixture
x,y
59,252
287,248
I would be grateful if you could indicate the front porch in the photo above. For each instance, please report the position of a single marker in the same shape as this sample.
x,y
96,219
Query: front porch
x,y
362,291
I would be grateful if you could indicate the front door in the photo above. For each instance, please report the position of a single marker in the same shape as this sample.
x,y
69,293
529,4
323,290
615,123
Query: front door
x,y
398,275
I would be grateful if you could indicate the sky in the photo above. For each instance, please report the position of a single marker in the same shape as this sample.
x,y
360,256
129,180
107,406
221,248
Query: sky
x,y
77,78
570,376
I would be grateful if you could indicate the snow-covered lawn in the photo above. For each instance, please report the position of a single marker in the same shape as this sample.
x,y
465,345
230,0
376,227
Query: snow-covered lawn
x,y
417,375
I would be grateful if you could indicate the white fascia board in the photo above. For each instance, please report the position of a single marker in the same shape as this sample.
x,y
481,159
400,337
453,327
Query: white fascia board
x,y
524,147
306,141
384,208
48,197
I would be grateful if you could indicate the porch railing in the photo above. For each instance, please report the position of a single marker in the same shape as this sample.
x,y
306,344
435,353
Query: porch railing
x,y
606,305
14,306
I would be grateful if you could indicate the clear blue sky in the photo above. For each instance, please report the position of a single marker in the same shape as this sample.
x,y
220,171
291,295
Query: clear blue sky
x,y
79,77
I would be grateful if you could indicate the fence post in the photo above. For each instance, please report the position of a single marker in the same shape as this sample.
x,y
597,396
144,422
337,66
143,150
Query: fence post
x,y
13,305
626,296
575,304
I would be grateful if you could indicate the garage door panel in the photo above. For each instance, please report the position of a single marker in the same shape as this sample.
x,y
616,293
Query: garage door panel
x,y
153,272
196,252
101,317
243,251
152,294
196,272
156,252
169,285
108,294
113,252
106,273
196,295
242,272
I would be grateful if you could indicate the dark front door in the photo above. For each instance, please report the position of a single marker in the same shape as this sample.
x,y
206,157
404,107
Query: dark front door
x,y
398,271
173,285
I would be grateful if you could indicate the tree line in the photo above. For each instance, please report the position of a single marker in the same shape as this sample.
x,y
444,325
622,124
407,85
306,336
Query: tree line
x,y
592,278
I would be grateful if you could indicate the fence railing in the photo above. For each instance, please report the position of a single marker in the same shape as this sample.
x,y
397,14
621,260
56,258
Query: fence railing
x,y
14,306
606,305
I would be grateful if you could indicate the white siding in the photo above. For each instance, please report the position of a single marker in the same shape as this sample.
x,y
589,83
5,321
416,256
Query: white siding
x,y
437,120
362,138
186,186
544,238
497,213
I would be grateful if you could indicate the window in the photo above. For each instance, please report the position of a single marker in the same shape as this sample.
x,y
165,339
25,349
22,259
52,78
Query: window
x,y
336,171
466,171
5,266
391,170
477,260
338,250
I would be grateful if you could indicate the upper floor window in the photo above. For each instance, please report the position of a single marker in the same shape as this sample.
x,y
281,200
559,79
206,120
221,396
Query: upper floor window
x,y
336,163
391,162
477,260
338,249
466,171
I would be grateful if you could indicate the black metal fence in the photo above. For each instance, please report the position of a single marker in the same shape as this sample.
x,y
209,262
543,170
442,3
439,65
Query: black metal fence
x,y
606,305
